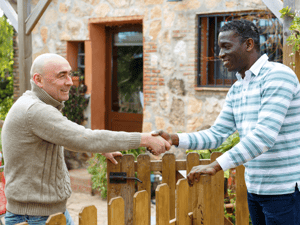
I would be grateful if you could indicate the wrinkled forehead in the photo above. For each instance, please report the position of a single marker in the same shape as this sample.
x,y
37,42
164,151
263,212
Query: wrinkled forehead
x,y
56,65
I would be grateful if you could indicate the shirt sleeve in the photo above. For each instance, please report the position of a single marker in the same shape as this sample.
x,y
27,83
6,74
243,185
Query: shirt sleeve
x,y
279,87
48,124
214,136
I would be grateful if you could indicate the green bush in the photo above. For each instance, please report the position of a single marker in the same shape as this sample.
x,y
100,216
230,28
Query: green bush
x,y
98,169
6,67
76,104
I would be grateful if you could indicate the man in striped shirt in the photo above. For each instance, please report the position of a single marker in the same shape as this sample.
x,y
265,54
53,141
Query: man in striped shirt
x,y
264,106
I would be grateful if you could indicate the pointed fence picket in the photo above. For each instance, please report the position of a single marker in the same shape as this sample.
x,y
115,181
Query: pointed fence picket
x,y
201,204
176,202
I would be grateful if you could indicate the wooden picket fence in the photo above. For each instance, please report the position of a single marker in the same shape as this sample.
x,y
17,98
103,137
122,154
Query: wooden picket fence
x,y
87,216
176,202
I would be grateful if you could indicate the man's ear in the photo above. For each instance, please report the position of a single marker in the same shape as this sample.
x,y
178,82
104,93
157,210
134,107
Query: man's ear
x,y
37,78
250,44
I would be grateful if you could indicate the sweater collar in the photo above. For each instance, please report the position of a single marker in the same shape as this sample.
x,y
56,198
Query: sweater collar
x,y
45,97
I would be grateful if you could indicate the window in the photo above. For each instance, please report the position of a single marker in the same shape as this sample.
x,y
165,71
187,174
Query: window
x,y
211,72
80,57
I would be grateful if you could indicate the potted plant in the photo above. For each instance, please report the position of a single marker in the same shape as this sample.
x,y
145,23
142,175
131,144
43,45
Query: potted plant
x,y
77,77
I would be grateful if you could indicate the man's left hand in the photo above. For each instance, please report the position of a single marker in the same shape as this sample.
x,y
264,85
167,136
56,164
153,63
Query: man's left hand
x,y
111,156
197,171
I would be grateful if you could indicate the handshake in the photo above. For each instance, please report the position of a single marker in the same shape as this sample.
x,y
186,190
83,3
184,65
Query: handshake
x,y
158,142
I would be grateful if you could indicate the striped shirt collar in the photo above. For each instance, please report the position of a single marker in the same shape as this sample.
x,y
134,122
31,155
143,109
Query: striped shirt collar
x,y
255,68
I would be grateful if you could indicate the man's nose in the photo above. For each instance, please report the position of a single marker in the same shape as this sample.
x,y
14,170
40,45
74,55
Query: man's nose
x,y
69,81
221,54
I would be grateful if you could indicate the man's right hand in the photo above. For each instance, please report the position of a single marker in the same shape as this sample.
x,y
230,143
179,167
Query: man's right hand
x,y
156,143
171,138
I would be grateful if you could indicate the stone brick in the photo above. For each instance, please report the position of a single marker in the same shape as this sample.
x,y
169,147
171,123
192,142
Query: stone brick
x,y
169,18
194,124
213,3
156,12
153,2
92,2
73,27
170,130
230,4
102,10
160,123
63,8
119,3
50,16
155,28
189,5
44,34
177,112
177,86
147,127
194,106
64,36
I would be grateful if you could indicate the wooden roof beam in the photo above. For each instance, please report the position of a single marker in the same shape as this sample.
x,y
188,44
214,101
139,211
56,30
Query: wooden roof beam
x,y
36,14
10,13
274,6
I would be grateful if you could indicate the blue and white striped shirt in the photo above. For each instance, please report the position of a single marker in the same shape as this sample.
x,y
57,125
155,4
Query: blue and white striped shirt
x,y
265,109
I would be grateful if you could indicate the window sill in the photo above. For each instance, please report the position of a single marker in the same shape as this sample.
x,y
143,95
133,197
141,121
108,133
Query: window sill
x,y
215,89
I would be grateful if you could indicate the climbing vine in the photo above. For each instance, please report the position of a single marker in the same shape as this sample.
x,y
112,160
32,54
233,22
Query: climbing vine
x,y
6,67
294,38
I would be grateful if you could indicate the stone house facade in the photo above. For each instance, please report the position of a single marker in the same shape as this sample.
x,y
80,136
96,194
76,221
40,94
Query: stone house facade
x,y
173,99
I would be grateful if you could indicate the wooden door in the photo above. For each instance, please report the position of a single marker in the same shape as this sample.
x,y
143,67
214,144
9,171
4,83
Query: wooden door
x,y
124,78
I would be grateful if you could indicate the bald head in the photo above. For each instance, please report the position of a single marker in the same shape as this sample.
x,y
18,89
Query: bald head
x,y
42,62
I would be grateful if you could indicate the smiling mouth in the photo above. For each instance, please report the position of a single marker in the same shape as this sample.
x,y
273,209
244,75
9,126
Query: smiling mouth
x,y
225,62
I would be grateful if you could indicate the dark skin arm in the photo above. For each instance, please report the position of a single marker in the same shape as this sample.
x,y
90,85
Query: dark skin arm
x,y
197,171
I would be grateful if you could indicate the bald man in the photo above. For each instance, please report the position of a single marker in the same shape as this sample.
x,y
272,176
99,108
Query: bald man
x,y
33,136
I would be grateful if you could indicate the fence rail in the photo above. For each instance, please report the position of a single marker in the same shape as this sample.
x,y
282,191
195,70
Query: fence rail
x,y
209,196
176,202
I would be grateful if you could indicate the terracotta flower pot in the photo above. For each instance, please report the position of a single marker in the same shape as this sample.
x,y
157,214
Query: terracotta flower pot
x,y
75,81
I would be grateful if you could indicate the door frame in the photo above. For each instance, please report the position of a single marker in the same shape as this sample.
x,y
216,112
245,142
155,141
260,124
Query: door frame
x,y
97,53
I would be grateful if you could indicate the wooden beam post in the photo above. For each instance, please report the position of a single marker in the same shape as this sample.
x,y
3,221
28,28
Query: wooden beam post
x,y
25,46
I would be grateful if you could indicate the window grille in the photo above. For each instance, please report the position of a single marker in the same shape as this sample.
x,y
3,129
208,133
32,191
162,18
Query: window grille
x,y
80,57
211,72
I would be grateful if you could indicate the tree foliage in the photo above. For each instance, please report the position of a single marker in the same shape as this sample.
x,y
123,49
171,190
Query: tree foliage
x,y
6,67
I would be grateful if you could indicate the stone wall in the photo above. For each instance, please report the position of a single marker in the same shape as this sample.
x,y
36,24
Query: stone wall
x,y
172,101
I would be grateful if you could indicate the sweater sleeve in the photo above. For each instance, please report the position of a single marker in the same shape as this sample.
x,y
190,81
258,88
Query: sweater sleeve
x,y
278,90
47,123
214,136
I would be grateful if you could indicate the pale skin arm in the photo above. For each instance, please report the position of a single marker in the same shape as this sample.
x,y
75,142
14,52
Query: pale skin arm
x,y
197,171
157,145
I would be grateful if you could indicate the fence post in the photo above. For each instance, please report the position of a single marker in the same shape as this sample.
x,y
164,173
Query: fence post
x,y
143,173
58,218
182,202
241,212
141,208
192,160
127,190
88,215
116,211
169,177
195,192
217,197
162,204
203,210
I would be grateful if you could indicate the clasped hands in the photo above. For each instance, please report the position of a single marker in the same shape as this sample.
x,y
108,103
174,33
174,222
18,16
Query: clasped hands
x,y
197,171
158,142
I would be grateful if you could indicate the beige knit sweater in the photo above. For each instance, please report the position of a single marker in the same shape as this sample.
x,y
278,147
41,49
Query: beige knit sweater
x,y
37,180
